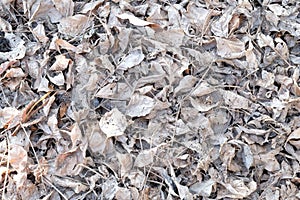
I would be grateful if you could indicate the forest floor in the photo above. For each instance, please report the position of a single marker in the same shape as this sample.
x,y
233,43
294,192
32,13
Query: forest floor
x,y
149,100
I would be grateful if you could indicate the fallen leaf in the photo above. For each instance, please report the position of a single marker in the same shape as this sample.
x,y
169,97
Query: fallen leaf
x,y
230,48
139,105
145,157
134,58
74,25
134,20
113,123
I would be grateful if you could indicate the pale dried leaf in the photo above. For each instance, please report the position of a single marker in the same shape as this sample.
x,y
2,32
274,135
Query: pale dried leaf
x,y
203,188
58,79
230,48
18,158
74,25
202,107
113,123
91,6
18,48
134,58
185,84
61,63
39,32
294,138
140,105
134,20
65,7
145,157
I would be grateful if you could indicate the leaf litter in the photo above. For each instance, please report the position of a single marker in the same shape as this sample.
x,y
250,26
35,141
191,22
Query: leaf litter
x,y
149,99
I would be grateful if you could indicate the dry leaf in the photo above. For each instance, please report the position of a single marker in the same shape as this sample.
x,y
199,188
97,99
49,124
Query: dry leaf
x,y
91,6
134,58
113,123
58,79
17,46
203,188
134,20
61,63
65,7
145,157
74,25
294,138
230,48
39,32
139,105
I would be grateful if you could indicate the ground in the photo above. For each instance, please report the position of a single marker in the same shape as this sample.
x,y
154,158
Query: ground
x,y
150,99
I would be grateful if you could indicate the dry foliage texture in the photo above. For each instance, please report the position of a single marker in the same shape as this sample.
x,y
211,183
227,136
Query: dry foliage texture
x,y
143,100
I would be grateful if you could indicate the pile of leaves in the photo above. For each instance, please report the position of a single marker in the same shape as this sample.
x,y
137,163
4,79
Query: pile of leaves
x,y
147,99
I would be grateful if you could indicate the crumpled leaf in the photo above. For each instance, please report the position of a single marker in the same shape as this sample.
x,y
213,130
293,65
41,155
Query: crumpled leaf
x,y
113,123
58,79
76,186
43,9
91,6
202,107
235,100
126,162
265,40
18,158
203,89
67,163
39,32
185,84
14,73
220,27
119,91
